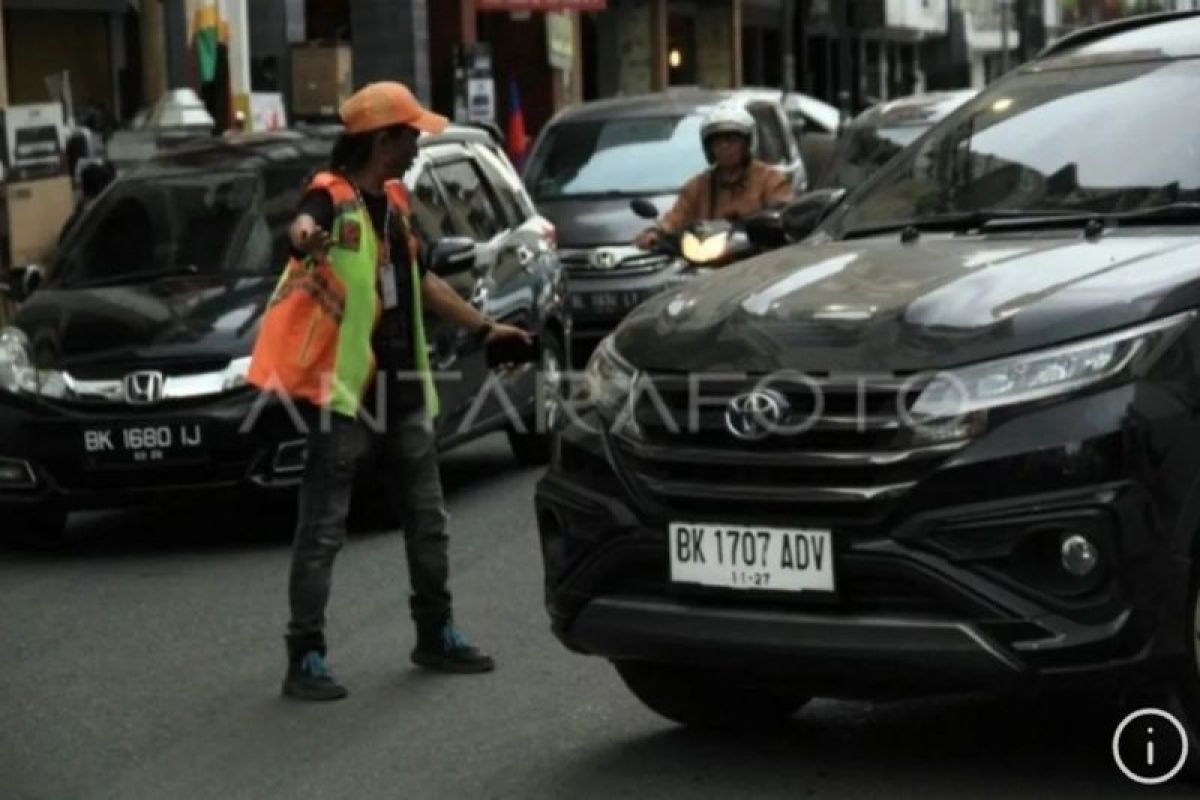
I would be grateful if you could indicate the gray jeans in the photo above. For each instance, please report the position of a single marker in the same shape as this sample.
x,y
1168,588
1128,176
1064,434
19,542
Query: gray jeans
x,y
406,458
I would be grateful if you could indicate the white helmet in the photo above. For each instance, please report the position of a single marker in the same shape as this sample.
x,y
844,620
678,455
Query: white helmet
x,y
728,117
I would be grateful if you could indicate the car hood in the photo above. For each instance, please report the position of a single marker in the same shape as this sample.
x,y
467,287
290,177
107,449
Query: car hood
x,y
193,323
598,221
876,305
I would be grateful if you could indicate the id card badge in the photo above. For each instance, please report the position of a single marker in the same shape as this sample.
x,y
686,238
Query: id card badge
x,y
387,279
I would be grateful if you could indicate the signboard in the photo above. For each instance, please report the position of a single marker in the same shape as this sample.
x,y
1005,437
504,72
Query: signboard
x,y
267,112
481,100
560,40
540,5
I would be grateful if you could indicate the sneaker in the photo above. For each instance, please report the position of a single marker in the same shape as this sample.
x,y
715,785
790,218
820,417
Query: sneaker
x,y
310,679
446,649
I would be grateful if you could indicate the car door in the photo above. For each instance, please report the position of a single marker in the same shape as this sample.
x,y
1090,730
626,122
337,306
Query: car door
x,y
433,221
776,146
476,213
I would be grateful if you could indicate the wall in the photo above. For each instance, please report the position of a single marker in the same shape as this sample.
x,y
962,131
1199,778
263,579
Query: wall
x,y
43,42
635,46
718,49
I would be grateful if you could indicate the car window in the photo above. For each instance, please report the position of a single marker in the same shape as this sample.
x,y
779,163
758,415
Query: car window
x,y
430,214
185,222
506,184
268,247
1042,142
469,200
772,141
616,157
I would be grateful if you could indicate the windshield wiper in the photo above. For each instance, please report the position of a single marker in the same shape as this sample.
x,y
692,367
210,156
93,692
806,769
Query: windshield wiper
x,y
962,221
138,277
1179,213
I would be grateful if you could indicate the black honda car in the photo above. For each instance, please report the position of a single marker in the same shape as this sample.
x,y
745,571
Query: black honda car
x,y
122,377
950,441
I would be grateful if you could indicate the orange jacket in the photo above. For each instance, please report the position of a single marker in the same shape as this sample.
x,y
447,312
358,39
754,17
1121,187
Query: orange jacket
x,y
759,186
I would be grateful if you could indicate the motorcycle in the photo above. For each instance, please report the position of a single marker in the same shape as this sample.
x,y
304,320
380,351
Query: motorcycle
x,y
711,244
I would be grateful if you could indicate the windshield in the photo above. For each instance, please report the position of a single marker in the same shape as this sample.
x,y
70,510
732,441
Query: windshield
x,y
865,150
194,223
654,155
1104,139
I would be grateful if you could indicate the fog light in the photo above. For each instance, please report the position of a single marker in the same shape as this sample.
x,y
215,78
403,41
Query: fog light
x,y
1079,555
16,474
290,457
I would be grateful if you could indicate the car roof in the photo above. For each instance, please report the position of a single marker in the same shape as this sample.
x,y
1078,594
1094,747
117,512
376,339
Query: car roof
x,y
919,109
678,100
282,148
1173,34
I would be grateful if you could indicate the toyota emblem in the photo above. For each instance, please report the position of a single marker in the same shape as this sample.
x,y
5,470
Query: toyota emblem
x,y
754,416
143,388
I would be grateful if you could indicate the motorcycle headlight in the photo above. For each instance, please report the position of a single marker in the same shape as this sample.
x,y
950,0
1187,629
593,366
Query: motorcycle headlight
x,y
609,378
16,370
1046,373
704,251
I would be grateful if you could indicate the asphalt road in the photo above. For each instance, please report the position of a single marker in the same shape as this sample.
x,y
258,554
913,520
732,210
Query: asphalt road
x,y
144,661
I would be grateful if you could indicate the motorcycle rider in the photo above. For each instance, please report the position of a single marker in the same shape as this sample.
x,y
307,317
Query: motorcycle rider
x,y
736,186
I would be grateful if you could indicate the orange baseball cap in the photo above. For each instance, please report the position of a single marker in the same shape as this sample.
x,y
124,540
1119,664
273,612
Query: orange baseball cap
x,y
386,103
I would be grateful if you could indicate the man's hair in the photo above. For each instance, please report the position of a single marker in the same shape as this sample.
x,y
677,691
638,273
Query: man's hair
x,y
352,151
94,177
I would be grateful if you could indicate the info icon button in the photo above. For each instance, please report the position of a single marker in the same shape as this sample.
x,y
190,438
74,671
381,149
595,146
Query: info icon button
x,y
1150,746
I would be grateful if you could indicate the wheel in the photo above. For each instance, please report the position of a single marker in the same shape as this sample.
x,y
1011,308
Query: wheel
x,y
36,529
1184,701
708,698
533,446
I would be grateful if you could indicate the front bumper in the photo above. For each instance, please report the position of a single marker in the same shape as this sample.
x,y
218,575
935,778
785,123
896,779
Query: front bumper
x,y
240,458
939,591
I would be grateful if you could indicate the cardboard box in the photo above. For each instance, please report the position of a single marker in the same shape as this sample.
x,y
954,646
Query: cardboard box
x,y
34,213
321,79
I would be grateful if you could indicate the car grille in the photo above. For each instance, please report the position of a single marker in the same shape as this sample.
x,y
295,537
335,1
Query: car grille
x,y
579,262
856,458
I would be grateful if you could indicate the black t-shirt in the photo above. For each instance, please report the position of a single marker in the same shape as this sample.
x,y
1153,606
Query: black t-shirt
x,y
392,340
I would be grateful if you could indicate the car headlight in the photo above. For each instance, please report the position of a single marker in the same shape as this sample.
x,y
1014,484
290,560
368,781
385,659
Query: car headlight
x,y
1046,373
16,371
234,376
609,378
704,251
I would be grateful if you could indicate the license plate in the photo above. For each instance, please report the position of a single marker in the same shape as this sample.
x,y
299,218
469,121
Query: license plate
x,y
613,302
144,444
777,559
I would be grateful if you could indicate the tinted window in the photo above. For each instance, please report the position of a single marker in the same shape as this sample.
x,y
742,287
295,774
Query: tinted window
x,y
1050,141
469,200
772,144
430,215
864,150
267,246
186,223
651,155
506,185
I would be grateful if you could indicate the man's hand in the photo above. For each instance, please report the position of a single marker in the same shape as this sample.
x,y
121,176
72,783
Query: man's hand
x,y
647,239
309,238
501,332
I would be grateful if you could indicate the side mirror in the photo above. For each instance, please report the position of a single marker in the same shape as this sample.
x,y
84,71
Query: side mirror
x,y
31,280
803,215
644,208
452,256
765,230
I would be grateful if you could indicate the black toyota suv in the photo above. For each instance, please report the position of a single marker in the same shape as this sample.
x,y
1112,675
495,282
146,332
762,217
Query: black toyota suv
x,y
950,441
122,377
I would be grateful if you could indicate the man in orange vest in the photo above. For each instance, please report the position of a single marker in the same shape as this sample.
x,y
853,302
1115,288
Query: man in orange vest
x,y
350,307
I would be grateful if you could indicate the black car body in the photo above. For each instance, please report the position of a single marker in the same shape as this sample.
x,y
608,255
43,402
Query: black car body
x,y
983,417
123,375
591,160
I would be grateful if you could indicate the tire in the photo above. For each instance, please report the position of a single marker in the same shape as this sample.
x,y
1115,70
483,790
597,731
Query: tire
x,y
708,698
533,448
38,529
1184,701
